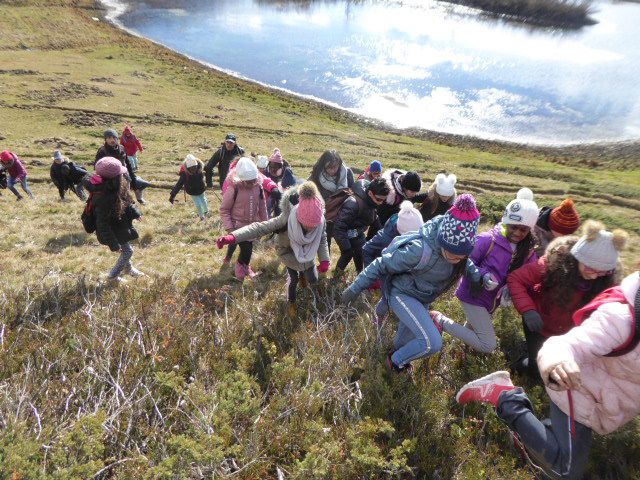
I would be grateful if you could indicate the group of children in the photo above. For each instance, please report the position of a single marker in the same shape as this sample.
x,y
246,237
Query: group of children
x,y
576,315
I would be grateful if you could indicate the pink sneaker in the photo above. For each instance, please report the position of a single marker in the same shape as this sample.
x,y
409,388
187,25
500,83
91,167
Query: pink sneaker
x,y
486,389
240,271
251,273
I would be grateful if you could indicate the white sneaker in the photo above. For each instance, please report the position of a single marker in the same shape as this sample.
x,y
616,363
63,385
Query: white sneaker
x,y
134,272
115,280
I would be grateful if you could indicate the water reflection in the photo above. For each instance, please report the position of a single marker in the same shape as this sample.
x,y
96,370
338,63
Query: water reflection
x,y
427,64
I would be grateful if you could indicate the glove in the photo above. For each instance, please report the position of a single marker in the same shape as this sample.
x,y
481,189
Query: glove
x,y
324,266
171,200
532,320
376,285
348,296
489,282
226,240
505,298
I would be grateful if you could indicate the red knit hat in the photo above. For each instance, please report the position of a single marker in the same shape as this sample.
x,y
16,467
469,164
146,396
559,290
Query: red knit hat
x,y
310,211
6,156
564,219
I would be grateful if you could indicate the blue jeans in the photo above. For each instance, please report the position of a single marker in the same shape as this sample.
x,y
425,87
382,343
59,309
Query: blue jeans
x,y
549,444
202,206
417,335
11,182
133,159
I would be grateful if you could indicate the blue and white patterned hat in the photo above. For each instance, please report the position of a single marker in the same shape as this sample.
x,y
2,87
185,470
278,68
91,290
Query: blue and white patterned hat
x,y
459,227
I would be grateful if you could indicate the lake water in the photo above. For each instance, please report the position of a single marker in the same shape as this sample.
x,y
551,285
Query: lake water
x,y
424,64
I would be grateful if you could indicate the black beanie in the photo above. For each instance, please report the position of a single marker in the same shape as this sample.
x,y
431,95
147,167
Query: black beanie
x,y
411,181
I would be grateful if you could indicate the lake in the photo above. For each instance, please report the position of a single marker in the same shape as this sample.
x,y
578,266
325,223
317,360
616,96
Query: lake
x,y
425,64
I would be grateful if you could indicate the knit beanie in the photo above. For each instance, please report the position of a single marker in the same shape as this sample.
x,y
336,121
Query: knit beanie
x,y
190,161
445,184
564,219
57,155
246,169
409,218
521,211
6,156
375,166
109,167
597,248
310,205
110,133
411,181
263,161
276,157
459,226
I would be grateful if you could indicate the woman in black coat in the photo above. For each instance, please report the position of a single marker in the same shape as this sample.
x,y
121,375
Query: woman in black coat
x,y
114,211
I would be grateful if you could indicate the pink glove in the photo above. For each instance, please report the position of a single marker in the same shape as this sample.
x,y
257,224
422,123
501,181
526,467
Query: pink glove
x,y
324,266
375,286
226,240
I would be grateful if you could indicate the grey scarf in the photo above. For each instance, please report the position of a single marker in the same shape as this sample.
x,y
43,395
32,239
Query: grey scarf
x,y
304,245
333,184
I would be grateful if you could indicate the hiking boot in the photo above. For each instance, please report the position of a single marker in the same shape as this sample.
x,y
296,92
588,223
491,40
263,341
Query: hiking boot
x,y
115,280
19,197
394,368
438,319
292,310
240,271
139,198
486,389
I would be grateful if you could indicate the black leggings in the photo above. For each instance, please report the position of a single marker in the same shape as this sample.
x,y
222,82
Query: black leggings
x,y
311,274
534,344
354,252
246,249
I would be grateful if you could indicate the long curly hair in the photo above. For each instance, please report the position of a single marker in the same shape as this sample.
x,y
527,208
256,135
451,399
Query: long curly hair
x,y
119,188
563,277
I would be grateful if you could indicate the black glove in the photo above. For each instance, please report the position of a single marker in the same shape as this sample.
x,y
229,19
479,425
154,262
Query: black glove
x,y
476,287
171,200
533,320
348,296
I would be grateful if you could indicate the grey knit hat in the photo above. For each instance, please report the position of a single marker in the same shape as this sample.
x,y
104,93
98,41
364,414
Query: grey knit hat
x,y
111,133
597,248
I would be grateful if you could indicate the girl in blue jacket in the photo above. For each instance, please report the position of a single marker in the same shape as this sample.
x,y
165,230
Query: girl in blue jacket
x,y
417,268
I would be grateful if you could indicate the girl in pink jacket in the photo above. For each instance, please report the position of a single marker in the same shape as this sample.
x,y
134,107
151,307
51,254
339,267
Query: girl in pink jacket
x,y
243,203
16,173
591,377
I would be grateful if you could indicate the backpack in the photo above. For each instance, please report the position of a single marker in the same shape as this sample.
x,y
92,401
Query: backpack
x,y
616,295
88,216
335,201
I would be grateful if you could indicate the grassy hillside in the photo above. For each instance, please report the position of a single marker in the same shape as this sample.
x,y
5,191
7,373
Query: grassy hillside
x,y
187,373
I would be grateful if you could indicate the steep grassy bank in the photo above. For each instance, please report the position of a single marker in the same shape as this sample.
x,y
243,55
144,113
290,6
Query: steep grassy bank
x,y
187,374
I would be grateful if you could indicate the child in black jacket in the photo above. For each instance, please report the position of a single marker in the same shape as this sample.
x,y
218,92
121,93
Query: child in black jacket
x,y
114,213
192,179
67,176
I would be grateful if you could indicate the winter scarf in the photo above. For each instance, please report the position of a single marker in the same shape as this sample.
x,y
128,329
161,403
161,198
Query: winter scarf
x,y
333,184
304,245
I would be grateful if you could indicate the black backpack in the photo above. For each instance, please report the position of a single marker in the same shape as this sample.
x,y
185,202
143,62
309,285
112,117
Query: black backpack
x,y
88,216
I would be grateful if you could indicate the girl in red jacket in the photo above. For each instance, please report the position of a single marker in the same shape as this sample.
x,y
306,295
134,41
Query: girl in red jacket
x,y
571,273
131,146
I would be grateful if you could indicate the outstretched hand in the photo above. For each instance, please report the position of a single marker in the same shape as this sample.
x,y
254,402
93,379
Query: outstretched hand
x,y
226,240
348,296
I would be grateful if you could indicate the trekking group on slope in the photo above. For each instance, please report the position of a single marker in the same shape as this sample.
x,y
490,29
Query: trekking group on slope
x,y
579,316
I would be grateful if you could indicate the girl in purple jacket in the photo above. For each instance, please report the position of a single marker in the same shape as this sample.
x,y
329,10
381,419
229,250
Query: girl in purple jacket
x,y
509,245
17,173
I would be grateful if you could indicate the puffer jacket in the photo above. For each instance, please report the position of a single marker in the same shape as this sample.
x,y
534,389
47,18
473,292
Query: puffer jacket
x,y
355,215
525,286
15,169
110,231
242,206
374,247
130,142
279,225
193,183
492,253
412,265
609,395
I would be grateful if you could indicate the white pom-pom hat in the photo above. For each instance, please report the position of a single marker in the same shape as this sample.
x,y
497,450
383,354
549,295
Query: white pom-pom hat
x,y
521,211
246,169
409,218
445,184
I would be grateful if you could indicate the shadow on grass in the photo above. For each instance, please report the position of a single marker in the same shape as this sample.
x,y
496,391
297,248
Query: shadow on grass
x,y
58,243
